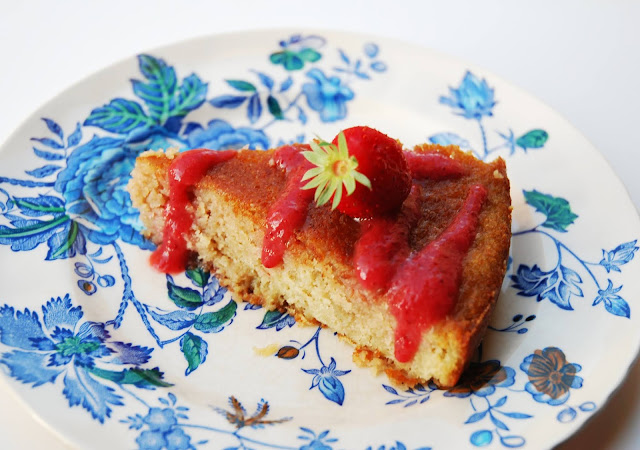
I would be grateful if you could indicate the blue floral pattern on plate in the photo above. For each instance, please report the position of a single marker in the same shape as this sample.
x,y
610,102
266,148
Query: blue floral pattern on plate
x,y
73,207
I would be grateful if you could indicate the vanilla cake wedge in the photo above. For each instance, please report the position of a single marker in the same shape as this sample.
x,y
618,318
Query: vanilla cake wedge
x,y
317,280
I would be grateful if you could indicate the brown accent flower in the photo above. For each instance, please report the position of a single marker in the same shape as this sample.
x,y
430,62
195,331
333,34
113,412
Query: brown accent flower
x,y
288,352
238,416
481,379
550,375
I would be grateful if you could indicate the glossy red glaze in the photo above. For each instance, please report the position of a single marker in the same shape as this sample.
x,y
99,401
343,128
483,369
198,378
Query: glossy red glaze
x,y
184,172
384,245
435,166
289,212
425,288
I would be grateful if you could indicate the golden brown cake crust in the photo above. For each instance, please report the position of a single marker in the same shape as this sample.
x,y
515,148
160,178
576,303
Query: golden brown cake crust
x,y
250,183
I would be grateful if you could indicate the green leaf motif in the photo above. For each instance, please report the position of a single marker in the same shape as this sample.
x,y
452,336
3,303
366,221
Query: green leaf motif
x,y
290,60
533,139
214,322
191,95
194,349
158,92
142,378
273,319
295,60
119,116
184,297
199,276
557,210
240,85
274,108
309,55
65,245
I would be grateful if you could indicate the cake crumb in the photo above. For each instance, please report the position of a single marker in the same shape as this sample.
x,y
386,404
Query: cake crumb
x,y
269,350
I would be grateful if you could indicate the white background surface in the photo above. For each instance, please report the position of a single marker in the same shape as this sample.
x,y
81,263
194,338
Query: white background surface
x,y
580,57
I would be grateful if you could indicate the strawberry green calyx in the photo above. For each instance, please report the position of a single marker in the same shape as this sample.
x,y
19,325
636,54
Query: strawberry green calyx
x,y
334,168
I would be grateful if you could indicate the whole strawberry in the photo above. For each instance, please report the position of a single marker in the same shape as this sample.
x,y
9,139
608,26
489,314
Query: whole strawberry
x,y
368,164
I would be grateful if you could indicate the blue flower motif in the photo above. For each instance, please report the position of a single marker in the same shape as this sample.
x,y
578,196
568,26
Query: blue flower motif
x,y
219,135
177,439
557,285
327,96
551,377
44,351
622,254
164,431
321,441
472,99
160,419
326,379
613,303
151,440
94,181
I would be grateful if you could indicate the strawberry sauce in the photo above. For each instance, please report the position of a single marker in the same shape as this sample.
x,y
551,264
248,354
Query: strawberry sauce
x,y
422,287
425,287
435,166
384,245
289,212
184,172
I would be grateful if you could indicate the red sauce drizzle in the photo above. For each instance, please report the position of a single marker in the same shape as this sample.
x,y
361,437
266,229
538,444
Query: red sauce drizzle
x,y
435,166
425,287
384,245
184,172
422,287
289,212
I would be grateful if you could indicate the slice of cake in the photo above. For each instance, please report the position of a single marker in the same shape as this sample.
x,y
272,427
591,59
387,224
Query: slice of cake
x,y
412,287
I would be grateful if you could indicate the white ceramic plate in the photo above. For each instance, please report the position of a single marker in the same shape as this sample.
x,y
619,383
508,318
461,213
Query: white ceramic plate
x,y
111,354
